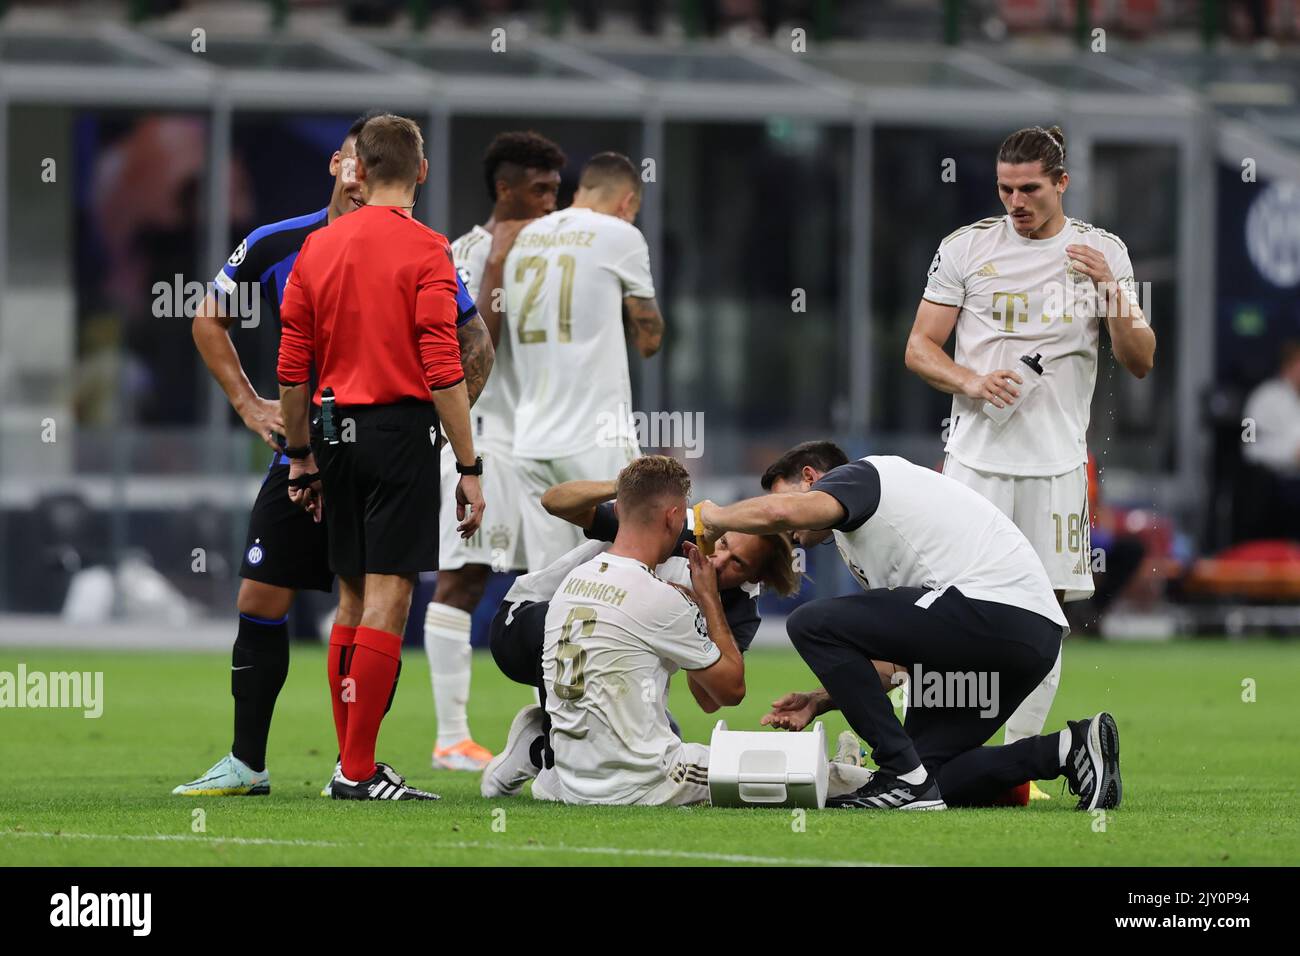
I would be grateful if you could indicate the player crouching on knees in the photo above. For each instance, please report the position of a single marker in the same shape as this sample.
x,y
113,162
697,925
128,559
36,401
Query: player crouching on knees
x,y
615,633
743,563
950,587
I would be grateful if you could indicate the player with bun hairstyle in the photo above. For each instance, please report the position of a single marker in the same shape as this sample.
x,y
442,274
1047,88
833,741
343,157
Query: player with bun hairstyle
x,y
1027,294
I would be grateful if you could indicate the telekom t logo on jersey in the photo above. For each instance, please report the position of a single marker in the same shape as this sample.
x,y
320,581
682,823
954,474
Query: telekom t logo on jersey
x,y
1066,301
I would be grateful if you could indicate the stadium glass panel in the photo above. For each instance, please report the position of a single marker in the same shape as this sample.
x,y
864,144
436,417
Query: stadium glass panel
x,y
913,209
478,61
102,279
755,240
1135,196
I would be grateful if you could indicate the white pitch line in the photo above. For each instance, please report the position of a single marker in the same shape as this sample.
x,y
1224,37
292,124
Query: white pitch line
x,y
665,854
461,845
174,838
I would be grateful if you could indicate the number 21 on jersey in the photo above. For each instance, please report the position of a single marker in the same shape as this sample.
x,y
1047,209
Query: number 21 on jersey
x,y
538,265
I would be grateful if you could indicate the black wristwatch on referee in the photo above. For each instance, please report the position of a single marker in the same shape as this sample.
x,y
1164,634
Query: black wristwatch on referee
x,y
297,452
474,469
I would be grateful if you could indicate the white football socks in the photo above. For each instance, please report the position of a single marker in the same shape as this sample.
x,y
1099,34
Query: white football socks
x,y
446,642
1063,746
914,776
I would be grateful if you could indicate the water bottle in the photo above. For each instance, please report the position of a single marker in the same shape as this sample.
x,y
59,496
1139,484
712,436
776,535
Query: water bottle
x,y
1031,370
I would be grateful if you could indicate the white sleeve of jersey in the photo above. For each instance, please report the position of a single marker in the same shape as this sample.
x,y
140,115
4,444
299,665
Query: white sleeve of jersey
x,y
471,266
629,259
685,641
1121,267
944,283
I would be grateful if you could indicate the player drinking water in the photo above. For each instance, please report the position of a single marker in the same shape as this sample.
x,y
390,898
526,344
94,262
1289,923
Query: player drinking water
x,y
1031,283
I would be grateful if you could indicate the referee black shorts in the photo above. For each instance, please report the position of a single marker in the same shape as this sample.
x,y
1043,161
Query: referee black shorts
x,y
381,489
285,547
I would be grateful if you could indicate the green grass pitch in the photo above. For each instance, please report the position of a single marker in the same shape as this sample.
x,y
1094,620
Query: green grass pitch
x,y
1209,779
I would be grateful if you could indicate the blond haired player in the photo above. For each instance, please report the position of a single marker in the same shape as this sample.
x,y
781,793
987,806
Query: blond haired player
x,y
615,633
1032,282
573,281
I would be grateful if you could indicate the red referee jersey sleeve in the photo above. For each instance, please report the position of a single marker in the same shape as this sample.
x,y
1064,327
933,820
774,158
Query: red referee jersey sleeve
x,y
297,326
436,312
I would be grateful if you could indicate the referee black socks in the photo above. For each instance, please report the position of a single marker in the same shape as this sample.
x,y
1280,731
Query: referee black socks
x,y
259,665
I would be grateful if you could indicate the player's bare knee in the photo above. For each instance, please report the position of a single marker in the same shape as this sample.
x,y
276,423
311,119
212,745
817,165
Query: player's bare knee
x,y
266,601
462,588
387,601
351,602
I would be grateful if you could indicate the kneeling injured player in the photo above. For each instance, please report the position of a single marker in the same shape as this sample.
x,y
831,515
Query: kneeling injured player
x,y
951,588
613,634
742,563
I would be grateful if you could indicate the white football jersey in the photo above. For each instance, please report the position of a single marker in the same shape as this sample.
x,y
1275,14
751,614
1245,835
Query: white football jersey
x,y
492,417
615,634
930,531
566,277
541,585
1019,297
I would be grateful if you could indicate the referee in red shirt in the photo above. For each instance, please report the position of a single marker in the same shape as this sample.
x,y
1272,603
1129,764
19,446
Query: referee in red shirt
x,y
371,305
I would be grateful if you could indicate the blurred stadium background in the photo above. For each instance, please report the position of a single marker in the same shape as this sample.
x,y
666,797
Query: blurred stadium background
x,y
798,148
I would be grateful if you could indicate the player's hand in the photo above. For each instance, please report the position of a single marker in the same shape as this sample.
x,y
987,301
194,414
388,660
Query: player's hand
x,y
1092,263
997,387
704,579
794,711
312,498
504,233
469,505
705,531
262,418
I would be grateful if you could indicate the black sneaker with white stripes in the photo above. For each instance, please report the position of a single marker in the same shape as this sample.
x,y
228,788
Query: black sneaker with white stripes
x,y
386,784
887,792
1092,766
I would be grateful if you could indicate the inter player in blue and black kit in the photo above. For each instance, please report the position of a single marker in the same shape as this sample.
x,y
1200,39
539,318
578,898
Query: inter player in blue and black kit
x,y
286,550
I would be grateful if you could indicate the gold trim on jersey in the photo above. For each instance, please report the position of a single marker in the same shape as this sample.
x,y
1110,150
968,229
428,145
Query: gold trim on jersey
x,y
467,242
988,223
1081,226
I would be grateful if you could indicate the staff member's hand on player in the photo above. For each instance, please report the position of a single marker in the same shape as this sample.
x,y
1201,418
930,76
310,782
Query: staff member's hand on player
x,y
262,417
311,498
794,711
997,387
705,532
469,505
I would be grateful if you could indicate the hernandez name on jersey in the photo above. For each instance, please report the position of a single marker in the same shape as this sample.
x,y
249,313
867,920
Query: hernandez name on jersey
x,y
566,277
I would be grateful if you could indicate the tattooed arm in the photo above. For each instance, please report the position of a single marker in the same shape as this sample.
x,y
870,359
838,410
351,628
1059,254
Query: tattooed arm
x,y
645,326
476,355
